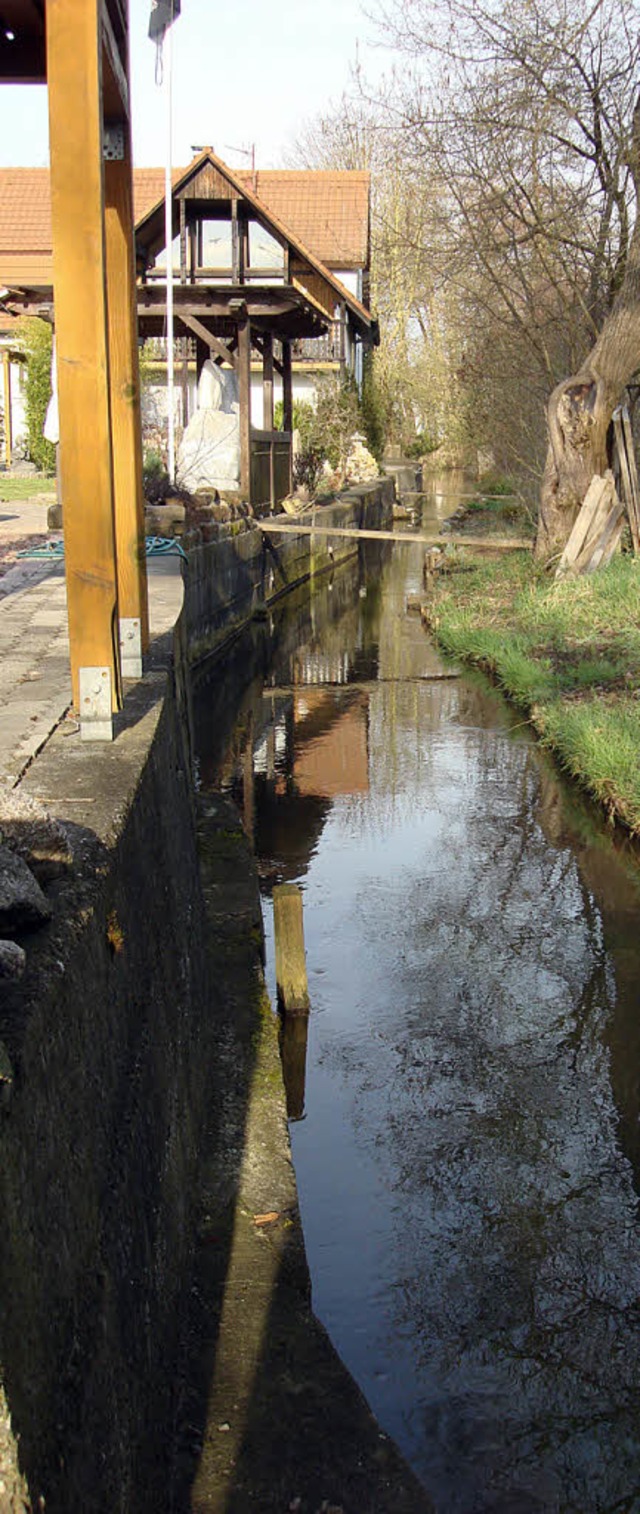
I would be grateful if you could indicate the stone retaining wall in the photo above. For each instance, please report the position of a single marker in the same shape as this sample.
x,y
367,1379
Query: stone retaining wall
x,y
228,579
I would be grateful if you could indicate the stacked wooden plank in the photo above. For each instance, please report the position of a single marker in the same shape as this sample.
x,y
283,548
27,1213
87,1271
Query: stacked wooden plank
x,y
628,472
597,530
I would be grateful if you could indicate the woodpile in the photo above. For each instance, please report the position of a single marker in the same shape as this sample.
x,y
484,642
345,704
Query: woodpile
x,y
596,531
628,471
598,527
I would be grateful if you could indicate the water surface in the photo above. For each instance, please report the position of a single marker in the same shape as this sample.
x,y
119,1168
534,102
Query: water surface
x,y
466,1145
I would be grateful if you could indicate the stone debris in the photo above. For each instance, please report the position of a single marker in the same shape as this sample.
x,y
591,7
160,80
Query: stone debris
x,y
14,1494
164,520
13,960
28,829
22,902
361,465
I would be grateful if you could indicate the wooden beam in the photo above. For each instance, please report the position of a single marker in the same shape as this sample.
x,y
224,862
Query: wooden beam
x,y
244,383
477,543
267,382
74,53
243,239
183,242
8,427
287,388
291,966
126,423
287,403
125,404
235,244
115,81
192,251
633,477
202,353
184,388
213,342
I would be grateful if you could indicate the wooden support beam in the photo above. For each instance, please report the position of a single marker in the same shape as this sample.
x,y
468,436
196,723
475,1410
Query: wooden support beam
x,y
202,353
243,241
192,251
287,403
126,425
74,64
213,342
8,420
287,388
235,244
183,242
184,389
115,81
343,340
244,384
267,382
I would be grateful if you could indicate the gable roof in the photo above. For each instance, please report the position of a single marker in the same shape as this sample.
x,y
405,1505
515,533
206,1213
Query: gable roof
x,y
326,212
217,181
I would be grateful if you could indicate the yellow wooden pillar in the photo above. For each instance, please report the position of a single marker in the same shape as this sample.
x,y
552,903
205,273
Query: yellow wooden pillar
x,y
125,402
74,76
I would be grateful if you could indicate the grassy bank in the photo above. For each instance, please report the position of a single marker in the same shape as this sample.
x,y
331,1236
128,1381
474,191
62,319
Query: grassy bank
x,y
15,488
568,654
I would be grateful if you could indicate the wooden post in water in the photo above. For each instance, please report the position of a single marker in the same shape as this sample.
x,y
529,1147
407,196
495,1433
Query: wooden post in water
x,y
291,967
292,1035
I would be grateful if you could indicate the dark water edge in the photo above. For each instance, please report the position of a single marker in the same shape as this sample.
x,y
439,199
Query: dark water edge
x,y
469,1156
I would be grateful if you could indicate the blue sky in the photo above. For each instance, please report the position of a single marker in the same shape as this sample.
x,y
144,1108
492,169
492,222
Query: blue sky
x,y
287,60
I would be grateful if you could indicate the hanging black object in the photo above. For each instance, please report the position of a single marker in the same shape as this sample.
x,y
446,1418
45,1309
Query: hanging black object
x,y
163,12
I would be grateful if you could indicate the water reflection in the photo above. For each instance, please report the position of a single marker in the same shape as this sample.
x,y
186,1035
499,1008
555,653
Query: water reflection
x,y
293,1035
466,1164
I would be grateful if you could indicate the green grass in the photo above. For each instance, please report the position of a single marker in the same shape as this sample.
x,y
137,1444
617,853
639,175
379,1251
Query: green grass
x,y
568,654
24,488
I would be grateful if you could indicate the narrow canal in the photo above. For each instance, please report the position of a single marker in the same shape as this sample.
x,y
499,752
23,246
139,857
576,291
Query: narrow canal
x,y
467,1139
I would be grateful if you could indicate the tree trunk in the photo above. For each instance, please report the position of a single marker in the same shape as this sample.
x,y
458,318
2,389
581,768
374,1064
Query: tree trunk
x,y
580,408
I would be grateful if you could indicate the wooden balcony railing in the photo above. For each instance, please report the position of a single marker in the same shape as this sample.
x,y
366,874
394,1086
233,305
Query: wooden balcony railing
x,y
320,349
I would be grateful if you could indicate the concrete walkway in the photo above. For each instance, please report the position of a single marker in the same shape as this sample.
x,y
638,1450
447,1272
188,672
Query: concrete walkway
x,y
35,686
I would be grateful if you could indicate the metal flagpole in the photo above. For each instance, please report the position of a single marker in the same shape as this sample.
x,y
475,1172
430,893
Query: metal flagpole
x,y
168,225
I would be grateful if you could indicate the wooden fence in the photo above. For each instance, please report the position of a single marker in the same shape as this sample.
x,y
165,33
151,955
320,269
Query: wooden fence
x,y
270,469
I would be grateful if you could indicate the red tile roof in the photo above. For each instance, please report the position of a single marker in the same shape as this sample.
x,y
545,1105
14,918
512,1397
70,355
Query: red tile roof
x,y
328,212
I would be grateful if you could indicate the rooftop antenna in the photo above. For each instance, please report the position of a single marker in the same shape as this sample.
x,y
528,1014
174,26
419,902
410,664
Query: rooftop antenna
x,y
247,152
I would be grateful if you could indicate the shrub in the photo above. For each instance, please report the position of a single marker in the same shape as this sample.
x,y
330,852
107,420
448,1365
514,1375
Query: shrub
x,y
373,412
307,468
303,420
37,339
420,445
155,479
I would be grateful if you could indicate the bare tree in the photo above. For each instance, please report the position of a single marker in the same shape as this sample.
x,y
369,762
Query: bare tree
x,y
523,115
581,407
